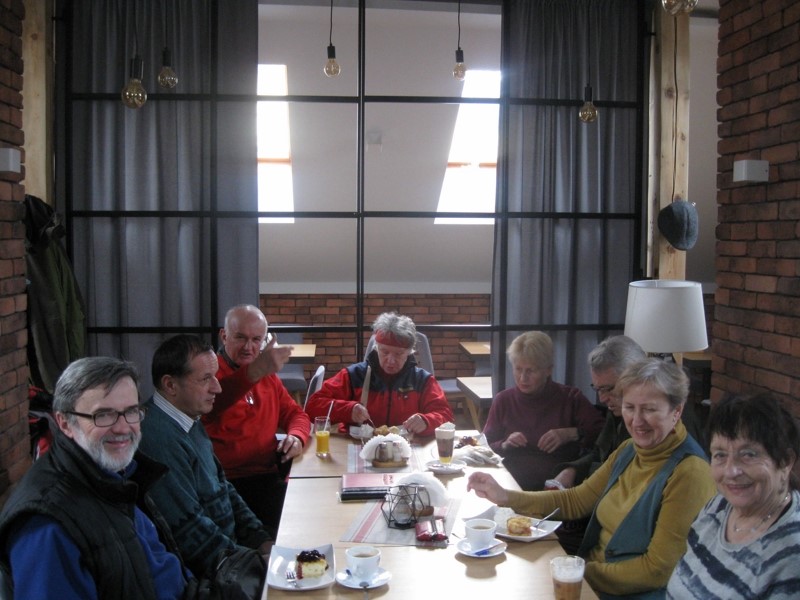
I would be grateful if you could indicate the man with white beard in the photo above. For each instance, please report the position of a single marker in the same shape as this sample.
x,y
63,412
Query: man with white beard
x,y
75,526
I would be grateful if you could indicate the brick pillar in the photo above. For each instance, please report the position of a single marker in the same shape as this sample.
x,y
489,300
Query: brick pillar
x,y
757,317
14,439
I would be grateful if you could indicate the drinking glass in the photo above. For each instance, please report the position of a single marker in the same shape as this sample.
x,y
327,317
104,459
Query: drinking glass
x,y
322,432
445,439
567,572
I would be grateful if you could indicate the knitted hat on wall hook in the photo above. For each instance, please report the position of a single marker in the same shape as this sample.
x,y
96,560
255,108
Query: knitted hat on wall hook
x,y
678,224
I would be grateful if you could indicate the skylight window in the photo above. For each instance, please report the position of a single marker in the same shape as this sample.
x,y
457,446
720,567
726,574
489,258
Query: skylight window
x,y
471,174
275,191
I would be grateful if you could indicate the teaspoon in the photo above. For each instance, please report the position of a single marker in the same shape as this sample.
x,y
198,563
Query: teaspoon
x,y
539,522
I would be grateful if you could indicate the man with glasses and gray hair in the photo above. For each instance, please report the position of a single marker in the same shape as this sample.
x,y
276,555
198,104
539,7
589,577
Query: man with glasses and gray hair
x,y
606,361
75,526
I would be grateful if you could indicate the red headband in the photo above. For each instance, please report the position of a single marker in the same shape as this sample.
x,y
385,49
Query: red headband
x,y
387,338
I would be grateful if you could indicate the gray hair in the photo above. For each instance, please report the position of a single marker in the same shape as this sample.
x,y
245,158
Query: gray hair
x,y
617,353
89,373
535,347
399,326
234,313
662,376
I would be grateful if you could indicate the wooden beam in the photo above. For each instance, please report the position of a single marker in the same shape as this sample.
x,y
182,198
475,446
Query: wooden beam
x,y
37,119
672,34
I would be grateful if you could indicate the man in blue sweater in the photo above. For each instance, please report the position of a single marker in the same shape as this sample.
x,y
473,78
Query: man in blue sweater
x,y
206,515
74,528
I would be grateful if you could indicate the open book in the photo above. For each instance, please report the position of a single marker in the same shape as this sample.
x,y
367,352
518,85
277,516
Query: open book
x,y
367,486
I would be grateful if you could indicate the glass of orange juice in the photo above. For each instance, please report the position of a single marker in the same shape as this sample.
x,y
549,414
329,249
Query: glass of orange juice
x,y
322,432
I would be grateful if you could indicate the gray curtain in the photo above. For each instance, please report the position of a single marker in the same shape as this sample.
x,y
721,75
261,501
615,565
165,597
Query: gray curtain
x,y
186,159
571,254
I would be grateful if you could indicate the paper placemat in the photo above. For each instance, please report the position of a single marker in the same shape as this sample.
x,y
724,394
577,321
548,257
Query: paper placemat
x,y
370,527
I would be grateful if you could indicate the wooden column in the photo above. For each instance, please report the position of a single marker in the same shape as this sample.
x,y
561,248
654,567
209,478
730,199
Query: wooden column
x,y
672,87
37,120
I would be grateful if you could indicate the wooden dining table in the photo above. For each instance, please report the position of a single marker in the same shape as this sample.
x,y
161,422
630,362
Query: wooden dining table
x,y
302,353
476,349
478,392
313,516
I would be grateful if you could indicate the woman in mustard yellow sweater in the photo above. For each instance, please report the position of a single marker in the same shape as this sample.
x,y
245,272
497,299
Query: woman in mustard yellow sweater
x,y
642,500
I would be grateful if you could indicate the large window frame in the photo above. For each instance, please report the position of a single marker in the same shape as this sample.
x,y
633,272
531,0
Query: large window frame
x,y
361,216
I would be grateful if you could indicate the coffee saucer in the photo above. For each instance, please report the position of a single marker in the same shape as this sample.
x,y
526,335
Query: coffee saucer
x,y
464,548
381,577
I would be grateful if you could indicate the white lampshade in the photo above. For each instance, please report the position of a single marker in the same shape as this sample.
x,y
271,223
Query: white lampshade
x,y
665,316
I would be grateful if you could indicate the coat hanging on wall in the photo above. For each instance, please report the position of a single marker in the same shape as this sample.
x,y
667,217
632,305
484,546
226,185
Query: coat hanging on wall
x,y
56,314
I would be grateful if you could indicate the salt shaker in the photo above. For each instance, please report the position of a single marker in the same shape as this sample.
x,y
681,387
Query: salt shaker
x,y
397,452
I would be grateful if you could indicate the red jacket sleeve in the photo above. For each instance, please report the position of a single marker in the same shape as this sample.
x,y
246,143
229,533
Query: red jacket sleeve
x,y
338,390
433,406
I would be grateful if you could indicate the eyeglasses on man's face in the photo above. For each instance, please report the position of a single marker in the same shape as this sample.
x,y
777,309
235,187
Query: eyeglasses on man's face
x,y
602,389
107,418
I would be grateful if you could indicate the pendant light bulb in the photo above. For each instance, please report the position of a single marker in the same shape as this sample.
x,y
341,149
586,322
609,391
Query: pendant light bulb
x,y
460,70
133,94
167,77
678,7
588,112
332,68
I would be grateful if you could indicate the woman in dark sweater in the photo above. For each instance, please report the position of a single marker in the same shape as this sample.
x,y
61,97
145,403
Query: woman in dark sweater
x,y
539,424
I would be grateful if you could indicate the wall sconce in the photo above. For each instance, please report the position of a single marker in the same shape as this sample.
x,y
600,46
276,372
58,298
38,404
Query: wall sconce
x,y
10,160
751,170
665,316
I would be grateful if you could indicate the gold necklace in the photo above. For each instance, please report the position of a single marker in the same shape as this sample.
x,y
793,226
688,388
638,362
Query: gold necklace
x,y
760,524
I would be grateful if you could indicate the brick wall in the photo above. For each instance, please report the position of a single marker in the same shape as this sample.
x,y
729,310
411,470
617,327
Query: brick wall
x,y
336,350
14,444
757,316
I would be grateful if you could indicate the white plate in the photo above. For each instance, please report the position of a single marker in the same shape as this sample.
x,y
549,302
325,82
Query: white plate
x,y
282,558
380,578
465,549
543,529
455,466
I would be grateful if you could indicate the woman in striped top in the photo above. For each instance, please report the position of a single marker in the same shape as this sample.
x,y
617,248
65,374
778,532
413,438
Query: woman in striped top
x,y
745,542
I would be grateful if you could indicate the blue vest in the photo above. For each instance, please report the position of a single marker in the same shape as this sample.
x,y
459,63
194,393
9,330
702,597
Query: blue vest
x,y
633,535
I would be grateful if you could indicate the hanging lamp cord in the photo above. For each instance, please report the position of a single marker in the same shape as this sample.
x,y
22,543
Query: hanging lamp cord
x,y
458,45
330,31
589,47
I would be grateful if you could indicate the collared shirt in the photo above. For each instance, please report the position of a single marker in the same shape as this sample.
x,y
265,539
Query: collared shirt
x,y
185,421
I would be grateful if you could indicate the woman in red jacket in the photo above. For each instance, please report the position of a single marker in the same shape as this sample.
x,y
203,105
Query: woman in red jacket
x,y
400,392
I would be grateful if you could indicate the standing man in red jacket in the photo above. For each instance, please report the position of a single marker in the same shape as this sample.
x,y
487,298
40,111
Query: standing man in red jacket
x,y
251,408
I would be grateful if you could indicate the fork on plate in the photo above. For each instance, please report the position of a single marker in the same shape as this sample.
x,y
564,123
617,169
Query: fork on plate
x,y
291,577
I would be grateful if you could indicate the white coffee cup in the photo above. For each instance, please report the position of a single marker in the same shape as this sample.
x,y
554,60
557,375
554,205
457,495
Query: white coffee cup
x,y
363,562
480,533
